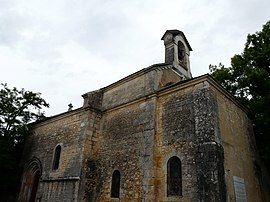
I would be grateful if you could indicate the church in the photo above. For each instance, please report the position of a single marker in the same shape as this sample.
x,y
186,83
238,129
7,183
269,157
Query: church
x,y
156,135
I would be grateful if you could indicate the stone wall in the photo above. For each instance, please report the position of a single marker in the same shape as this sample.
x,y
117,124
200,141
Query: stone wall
x,y
168,77
125,144
239,152
131,90
169,54
175,133
137,135
139,86
58,190
68,131
90,150
187,128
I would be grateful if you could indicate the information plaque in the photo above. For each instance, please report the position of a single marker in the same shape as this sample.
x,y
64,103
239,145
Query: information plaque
x,y
239,189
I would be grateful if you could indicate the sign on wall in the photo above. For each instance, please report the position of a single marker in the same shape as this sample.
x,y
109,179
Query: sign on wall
x,y
239,189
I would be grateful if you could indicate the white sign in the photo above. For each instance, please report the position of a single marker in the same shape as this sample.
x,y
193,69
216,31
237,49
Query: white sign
x,y
239,189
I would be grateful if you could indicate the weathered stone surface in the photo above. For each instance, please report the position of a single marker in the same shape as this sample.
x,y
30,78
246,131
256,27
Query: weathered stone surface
x,y
135,126
169,54
127,145
138,139
210,172
93,99
178,119
239,151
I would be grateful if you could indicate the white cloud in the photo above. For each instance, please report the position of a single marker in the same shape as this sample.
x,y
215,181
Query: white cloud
x,y
64,48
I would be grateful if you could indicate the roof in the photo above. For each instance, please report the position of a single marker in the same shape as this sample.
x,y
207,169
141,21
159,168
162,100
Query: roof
x,y
176,32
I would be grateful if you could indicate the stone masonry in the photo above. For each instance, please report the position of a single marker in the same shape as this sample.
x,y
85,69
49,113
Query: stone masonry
x,y
135,126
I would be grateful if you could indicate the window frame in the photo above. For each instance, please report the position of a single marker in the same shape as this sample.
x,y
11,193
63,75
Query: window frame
x,y
181,48
115,181
56,158
170,181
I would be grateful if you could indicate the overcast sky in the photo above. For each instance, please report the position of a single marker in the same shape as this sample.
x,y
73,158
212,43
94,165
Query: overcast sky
x,y
64,48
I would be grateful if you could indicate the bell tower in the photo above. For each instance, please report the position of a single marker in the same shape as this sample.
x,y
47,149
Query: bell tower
x,y
177,51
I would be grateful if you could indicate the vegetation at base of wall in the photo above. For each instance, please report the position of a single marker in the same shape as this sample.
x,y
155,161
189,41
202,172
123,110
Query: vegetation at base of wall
x,y
248,79
18,108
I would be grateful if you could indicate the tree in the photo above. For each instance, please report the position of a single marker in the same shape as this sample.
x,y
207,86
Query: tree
x,y
248,79
18,108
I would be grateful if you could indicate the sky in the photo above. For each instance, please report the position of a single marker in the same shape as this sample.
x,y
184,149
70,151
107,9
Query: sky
x,y
65,48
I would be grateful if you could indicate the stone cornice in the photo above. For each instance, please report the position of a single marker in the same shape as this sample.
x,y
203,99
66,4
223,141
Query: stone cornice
x,y
60,179
60,116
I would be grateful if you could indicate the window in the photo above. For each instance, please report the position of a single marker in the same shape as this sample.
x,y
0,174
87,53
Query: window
x,y
115,188
181,51
174,177
57,153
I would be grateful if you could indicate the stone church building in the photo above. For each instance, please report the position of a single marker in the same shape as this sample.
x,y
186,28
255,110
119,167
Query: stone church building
x,y
155,135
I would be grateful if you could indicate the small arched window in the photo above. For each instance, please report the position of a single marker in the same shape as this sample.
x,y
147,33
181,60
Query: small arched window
x,y
174,177
115,188
56,159
181,52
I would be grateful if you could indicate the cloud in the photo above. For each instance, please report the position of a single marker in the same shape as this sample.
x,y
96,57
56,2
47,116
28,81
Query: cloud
x,y
64,48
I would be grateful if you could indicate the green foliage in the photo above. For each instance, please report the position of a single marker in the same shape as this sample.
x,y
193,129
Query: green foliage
x,y
248,79
18,108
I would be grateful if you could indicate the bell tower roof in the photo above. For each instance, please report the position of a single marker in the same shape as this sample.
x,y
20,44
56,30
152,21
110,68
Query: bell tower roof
x,y
176,32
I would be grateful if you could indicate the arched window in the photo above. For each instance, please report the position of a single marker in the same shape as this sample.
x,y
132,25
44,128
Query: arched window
x,y
115,188
174,177
57,153
181,52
